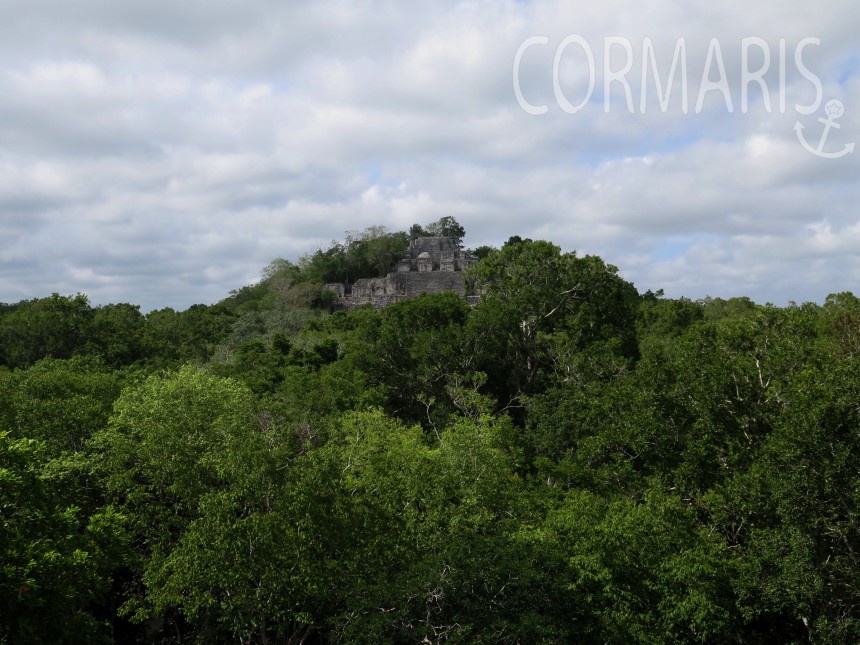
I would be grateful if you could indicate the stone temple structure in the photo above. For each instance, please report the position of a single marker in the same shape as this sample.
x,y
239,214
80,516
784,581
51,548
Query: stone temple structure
x,y
430,265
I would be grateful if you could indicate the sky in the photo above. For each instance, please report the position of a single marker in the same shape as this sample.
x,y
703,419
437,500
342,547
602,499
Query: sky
x,y
162,153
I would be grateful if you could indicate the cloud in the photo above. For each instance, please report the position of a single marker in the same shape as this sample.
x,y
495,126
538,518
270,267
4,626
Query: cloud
x,y
162,153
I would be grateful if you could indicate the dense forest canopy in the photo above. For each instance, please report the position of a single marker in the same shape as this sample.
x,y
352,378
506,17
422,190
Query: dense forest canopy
x,y
569,460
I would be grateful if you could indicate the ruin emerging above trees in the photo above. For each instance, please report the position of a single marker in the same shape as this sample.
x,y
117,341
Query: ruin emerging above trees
x,y
429,265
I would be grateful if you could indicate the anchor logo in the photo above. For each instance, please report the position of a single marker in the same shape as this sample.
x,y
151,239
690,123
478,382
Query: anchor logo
x,y
833,109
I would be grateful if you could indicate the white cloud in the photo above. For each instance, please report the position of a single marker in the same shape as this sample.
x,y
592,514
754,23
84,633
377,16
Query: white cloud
x,y
162,153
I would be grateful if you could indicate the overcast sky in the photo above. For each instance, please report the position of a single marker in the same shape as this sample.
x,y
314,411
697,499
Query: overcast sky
x,y
161,152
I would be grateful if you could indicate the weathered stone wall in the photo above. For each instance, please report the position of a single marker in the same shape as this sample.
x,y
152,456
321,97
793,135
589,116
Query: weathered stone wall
x,y
430,265
338,287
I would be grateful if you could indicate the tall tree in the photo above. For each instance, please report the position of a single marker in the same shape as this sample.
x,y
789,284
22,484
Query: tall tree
x,y
533,296
53,327
446,227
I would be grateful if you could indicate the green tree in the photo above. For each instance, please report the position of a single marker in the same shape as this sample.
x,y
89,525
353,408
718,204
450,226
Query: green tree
x,y
482,251
414,350
60,403
842,322
446,227
53,327
416,231
539,307
172,337
649,572
56,560
172,441
791,516
116,334
661,320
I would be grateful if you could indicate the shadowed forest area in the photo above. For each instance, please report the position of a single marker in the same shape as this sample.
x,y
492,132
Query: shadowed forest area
x,y
568,461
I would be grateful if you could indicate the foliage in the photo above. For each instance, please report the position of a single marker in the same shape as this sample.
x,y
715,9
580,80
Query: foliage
x,y
61,403
53,327
540,307
565,461
56,559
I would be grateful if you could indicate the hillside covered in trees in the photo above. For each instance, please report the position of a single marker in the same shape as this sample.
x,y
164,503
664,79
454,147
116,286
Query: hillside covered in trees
x,y
568,461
